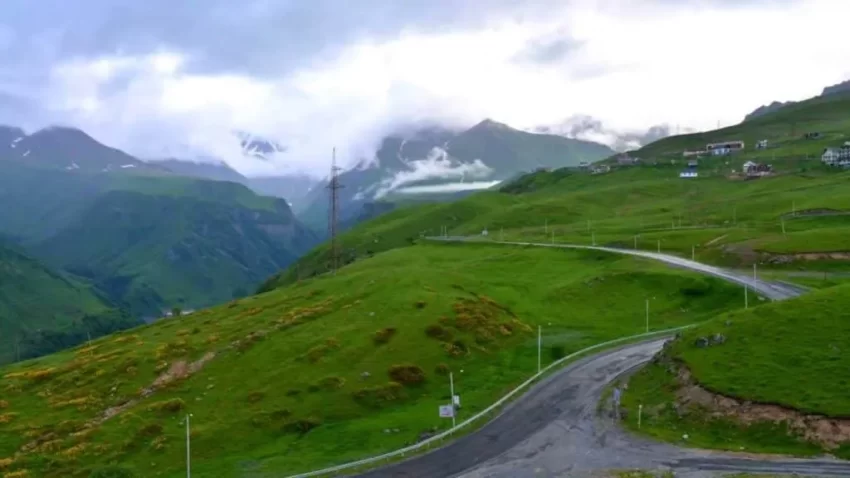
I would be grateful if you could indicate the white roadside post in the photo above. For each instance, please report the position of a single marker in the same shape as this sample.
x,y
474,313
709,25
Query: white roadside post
x,y
539,346
640,413
452,391
693,253
188,448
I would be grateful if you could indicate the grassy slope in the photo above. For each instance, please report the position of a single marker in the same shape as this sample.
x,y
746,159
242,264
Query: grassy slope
x,y
34,297
718,216
154,241
790,354
650,198
321,331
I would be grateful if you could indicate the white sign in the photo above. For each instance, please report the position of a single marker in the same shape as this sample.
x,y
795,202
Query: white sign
x,y
457,400
447,411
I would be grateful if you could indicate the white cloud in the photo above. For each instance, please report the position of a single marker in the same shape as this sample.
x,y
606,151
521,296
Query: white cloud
x,y
448,188
437,165
647,63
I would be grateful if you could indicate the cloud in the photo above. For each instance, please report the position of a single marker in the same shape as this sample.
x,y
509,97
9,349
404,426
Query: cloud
x,y
159,77
437,165
448,188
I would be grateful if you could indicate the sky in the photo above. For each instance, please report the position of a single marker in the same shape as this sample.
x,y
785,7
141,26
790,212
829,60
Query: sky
x,y
178,77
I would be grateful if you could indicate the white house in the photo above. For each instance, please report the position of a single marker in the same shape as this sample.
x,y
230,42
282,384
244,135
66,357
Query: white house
x,y
830,156
688,174
761,144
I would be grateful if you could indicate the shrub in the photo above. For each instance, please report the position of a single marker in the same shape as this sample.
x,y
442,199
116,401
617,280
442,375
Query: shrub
x,y
438,332
557,352
380,395
331,383
150,430
457,348
173,405
6,463
420,304
301,425
407,374
293,392
112,471
313,388
4,404
255,397
442,369
384,335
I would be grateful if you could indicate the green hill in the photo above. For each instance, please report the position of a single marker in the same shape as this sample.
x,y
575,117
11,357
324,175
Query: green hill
x,y
154,243
151,242
37,302
726,221
787,362
353,355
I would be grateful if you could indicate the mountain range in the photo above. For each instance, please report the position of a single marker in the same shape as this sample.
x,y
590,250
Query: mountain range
x,y
436,161
116,239
774,106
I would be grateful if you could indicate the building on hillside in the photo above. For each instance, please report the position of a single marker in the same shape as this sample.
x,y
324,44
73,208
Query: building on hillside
x,y
626,160
600,169
721,151
687,153
830,156
761,144
756,170
730,146
584,165
813,135
692,163
689,173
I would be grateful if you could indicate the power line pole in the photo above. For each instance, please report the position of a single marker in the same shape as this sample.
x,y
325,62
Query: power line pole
x,y
334,186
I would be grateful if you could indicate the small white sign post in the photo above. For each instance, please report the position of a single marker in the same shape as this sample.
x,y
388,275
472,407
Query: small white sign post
x,y
447,411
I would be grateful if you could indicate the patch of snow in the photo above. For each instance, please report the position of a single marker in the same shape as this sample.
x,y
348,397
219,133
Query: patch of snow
x,y
26,153
125,166
72,167
448,188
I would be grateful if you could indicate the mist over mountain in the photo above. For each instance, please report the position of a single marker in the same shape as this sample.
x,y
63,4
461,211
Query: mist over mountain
x,y
835,89
588,128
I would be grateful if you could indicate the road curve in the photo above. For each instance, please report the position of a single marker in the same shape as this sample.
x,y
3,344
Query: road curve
x,y
554,430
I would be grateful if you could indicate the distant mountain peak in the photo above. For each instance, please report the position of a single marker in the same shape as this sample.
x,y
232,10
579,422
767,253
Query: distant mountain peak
x,y
257,146
490,124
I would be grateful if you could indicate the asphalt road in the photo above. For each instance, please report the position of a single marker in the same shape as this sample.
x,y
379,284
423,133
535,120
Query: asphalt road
x,y
554,430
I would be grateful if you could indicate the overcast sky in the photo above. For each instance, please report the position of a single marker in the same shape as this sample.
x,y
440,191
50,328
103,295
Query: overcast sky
x,y
158,76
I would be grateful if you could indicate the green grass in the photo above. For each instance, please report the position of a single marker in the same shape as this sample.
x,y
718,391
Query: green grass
x,y
791,354
731,223
317,337
34,297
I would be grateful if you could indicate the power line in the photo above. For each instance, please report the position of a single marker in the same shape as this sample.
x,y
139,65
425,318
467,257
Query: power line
x,y
334,186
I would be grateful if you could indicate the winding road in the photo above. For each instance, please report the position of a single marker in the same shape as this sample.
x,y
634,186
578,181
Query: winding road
x,y
554,430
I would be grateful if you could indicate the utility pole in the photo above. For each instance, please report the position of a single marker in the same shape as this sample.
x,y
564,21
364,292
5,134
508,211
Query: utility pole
x,y
334,186
452,398
539,347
